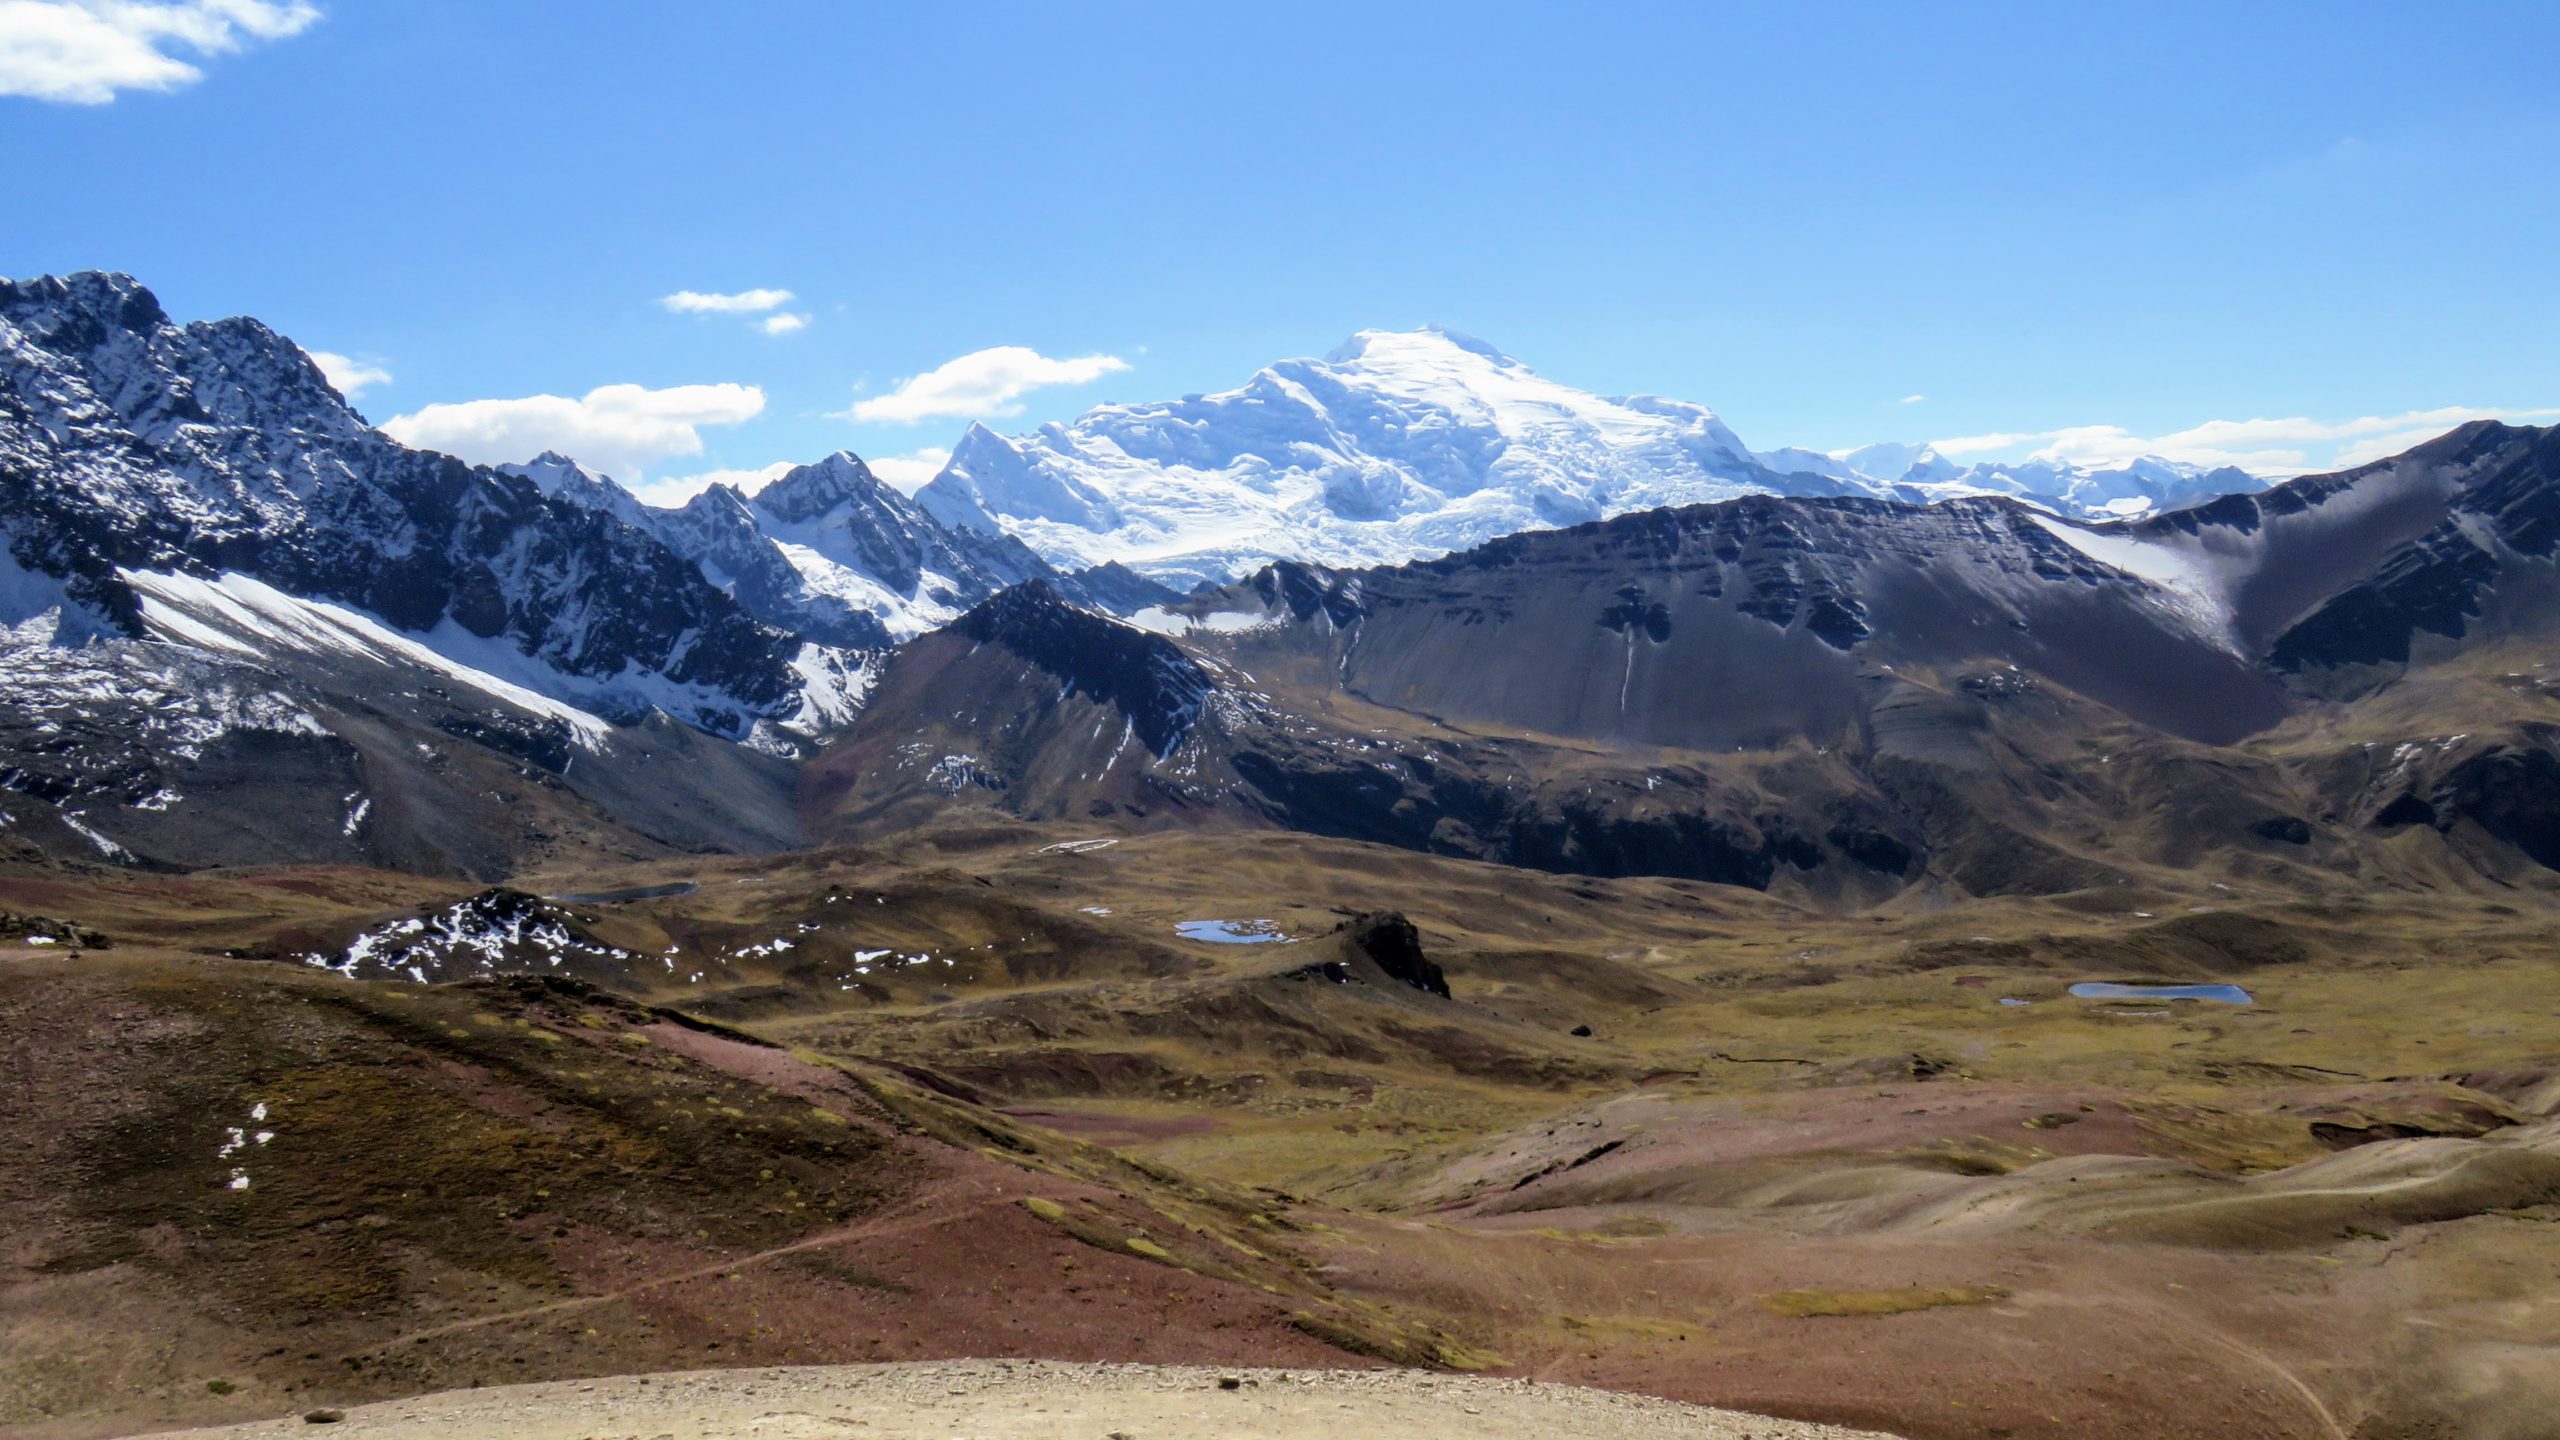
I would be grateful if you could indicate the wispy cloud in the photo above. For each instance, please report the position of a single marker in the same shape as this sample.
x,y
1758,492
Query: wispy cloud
x,y
2264,447
743,302
1911,399
83,52
617,430
910,472
984,384
1955,447
352,377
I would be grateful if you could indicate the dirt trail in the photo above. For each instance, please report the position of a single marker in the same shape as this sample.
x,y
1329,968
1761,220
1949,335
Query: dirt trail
x,y
877,1227
1036,1400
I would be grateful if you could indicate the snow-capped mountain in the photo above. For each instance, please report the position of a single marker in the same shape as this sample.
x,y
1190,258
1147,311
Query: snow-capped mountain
x,y
237,623
825,551
1918,474
1865,467
1407,445
134,450
2147,485
830,553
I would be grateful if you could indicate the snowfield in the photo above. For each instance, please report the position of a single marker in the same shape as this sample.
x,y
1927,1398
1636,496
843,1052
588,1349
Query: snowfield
x,y
1402,446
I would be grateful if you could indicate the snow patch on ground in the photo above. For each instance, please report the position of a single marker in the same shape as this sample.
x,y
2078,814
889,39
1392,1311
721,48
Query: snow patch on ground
x,y
105,846
2186,586
833,685
240,615
494,932
239,1138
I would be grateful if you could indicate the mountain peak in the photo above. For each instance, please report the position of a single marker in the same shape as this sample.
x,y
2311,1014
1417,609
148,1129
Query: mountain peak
x,y
1890,461
1390,346
809,491
110,296
1145,675
1404,444
551,470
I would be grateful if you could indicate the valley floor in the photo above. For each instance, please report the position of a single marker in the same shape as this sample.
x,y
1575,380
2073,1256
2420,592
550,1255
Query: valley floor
x,y
1061,1095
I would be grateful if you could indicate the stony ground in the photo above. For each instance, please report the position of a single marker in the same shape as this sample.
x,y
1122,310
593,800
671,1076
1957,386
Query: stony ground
x,y
1019,1400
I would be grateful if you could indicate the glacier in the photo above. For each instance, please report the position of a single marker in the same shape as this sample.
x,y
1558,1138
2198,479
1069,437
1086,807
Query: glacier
x,y
1407,445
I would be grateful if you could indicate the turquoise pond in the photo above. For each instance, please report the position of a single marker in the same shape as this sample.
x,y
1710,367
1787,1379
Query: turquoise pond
x,y
1230,932
2108,990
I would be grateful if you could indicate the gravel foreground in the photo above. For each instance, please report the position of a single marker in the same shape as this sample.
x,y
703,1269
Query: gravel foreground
x,y
1037,1400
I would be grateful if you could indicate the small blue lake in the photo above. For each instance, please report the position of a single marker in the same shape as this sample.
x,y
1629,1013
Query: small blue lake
x,y
2106,990
1230,932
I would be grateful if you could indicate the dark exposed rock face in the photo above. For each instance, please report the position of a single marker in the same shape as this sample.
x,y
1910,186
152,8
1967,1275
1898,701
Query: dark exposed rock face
x,y
2433,585
1305,590
2284,829
1480,809
2511,793
1747,622
1146,677
2404,810
1113,587
1389,940
2500,508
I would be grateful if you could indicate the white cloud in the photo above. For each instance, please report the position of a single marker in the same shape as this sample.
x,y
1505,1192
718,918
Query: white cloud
x,y
677,489
909,473
2376,447
616,430
81,52
1911,399
985,384
2264,447
352,377
1956,446
745,302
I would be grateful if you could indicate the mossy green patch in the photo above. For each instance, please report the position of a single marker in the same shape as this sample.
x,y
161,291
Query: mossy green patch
x,y
1812,1303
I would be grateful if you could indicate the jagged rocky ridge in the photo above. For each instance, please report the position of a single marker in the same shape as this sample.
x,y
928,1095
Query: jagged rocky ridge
x,y
130,444
238,625
830,553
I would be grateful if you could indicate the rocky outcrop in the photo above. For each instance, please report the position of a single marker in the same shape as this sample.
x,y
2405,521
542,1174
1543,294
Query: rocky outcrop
x,y
1386,939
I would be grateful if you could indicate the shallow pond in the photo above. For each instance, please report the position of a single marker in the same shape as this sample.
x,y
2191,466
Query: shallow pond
x,y
1230,932
2107,990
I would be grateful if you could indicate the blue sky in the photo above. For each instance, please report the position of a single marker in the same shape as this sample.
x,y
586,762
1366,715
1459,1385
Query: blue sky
x,y
2118,223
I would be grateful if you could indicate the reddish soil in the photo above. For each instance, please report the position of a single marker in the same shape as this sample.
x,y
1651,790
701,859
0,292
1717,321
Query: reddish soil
x,y
2092,1343
584,1257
